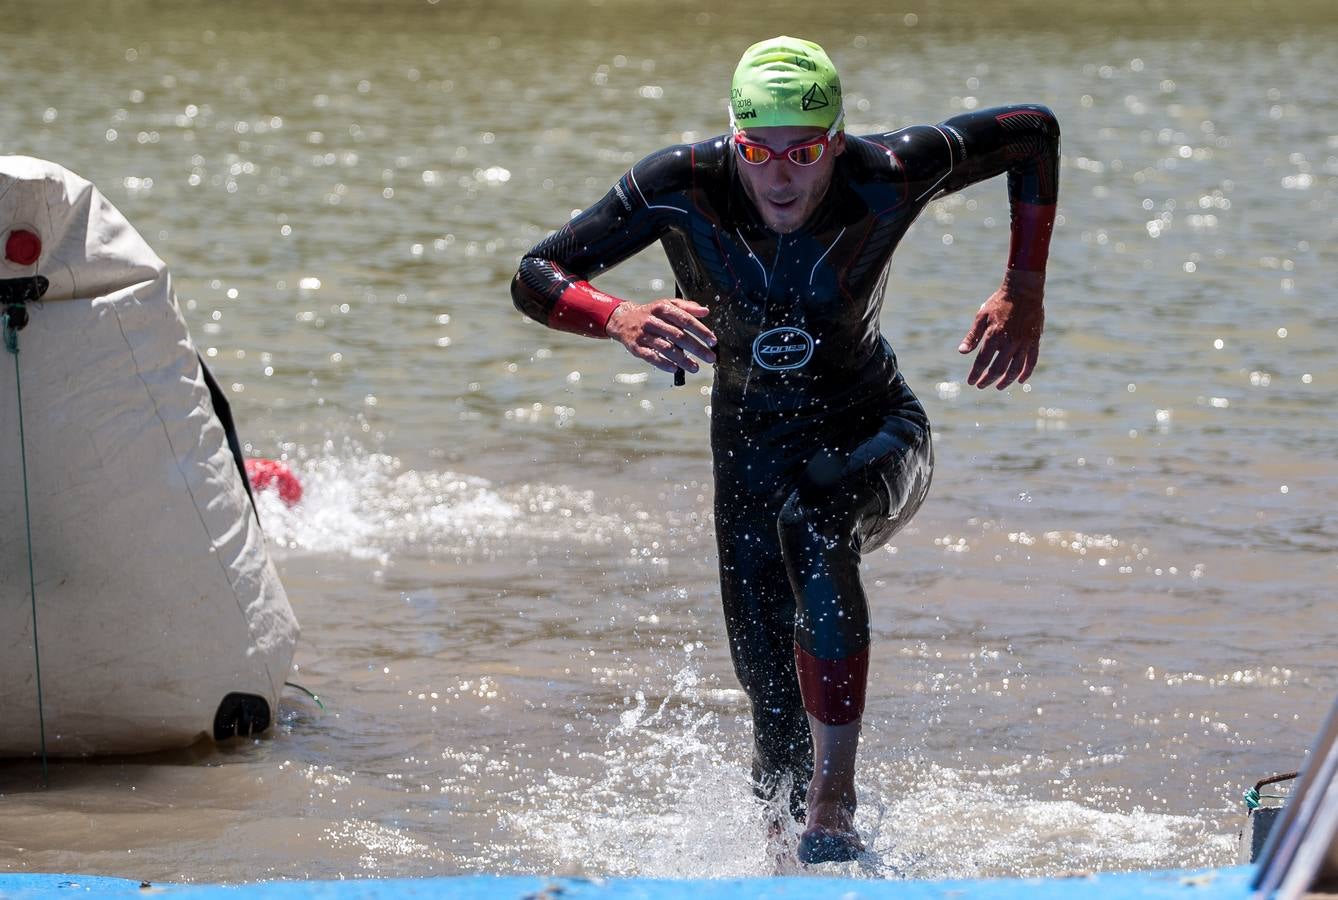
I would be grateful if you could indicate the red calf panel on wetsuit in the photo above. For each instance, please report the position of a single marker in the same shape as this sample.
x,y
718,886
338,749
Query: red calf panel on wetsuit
x,y
582,309
1030,245
833,689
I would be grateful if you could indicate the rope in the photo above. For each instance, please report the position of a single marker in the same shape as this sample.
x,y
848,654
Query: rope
x,y
11,334
1253,798
307,692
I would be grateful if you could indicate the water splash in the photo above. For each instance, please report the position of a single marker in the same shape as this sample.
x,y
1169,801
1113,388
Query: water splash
x,y
671,799
956,824
368,506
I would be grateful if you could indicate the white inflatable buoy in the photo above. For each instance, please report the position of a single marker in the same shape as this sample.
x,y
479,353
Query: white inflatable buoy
x,y
154,609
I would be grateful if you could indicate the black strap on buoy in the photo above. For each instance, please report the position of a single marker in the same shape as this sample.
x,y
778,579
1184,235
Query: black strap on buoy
x,y
223,410
15,294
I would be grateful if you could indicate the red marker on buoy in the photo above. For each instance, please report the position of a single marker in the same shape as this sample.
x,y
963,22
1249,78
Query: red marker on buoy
x,y
267,473
23,247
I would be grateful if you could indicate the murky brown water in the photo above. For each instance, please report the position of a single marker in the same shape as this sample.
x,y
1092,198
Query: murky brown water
x,y
1112,616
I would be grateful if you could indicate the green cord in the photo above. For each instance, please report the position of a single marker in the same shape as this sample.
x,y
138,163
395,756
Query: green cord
x,y
1254,800
12,345
307,692
11,336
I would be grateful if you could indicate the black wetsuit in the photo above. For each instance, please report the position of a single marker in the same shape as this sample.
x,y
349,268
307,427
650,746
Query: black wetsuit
x,y
821,452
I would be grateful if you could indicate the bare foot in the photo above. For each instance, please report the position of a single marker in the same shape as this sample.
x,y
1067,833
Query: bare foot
x,y
830,834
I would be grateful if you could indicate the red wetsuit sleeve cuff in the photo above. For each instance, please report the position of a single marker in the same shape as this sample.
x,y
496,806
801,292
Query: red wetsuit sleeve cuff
x,y
1032,226
583,309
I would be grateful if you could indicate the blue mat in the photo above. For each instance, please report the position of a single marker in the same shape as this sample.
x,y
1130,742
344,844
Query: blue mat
x,y
1218,884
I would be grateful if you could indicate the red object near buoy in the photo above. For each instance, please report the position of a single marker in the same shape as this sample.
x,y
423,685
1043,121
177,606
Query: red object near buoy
x,y
270,473
23,247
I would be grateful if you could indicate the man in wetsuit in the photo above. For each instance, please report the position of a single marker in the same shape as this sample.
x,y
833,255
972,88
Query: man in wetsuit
x,y
780,235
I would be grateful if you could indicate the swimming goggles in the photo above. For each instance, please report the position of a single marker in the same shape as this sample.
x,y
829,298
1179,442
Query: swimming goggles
x,y
802,154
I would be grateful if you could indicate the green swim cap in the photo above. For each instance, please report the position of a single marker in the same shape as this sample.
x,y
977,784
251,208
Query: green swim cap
x,y
785,81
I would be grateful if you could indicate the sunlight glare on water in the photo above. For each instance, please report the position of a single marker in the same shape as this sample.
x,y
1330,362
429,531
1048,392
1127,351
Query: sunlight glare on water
x,y
1112,615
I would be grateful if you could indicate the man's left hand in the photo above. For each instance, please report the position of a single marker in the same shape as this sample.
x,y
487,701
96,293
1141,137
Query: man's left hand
x,y
1008,331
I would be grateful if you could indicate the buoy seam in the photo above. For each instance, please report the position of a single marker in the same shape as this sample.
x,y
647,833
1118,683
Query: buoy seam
x,y
176,461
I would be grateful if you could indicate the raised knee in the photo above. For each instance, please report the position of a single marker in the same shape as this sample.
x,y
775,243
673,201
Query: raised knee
x,y
805,514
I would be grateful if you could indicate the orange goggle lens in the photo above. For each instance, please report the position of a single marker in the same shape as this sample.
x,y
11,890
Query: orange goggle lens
x,y
806,155
754,154
802,155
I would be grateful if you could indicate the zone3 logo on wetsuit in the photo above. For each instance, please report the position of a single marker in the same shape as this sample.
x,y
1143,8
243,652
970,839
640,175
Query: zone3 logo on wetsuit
x,y
783,348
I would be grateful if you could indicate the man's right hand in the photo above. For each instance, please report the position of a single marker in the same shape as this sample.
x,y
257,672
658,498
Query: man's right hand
x,y
663,333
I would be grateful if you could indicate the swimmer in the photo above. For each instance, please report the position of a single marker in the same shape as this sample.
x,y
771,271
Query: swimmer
x,y
780,234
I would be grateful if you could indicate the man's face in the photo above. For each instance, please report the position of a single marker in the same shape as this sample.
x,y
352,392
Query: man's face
x,y
786,193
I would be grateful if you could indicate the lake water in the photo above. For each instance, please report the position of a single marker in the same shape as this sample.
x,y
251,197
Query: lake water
x,y
1111,617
